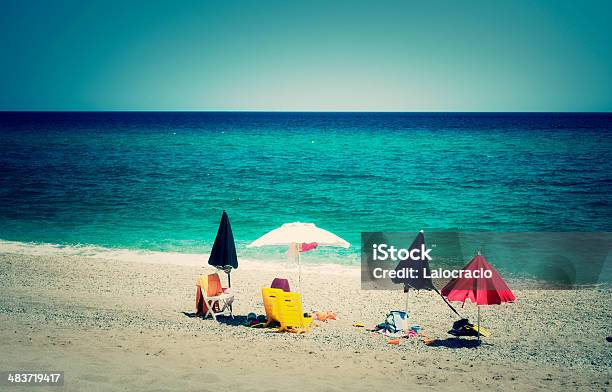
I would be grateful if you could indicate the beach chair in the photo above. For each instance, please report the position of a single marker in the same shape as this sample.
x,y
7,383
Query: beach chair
x,y
290,315
217,300
270,299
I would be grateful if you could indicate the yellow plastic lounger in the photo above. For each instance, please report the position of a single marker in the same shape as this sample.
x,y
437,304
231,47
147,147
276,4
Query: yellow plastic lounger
x,y
290,313
270,300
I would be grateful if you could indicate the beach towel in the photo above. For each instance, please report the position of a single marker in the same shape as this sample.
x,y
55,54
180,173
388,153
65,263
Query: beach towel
x,y
212,284
292,252
305,247
324,316
280,283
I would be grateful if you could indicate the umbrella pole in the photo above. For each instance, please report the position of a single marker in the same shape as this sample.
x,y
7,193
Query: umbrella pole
x,y
407,295
229,284
299,270
478,323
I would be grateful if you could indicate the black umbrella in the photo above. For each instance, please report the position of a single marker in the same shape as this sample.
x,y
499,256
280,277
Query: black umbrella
x,y
421,279
223,253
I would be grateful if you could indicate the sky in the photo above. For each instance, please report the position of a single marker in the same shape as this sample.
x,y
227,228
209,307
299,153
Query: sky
x,y
306,56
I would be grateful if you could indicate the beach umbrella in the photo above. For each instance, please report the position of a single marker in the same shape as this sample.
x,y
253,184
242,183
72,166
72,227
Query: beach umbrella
x,y
297,234
479,289
421,279
223,253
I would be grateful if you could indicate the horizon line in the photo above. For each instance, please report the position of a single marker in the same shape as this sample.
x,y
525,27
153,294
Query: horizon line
x,y
296,111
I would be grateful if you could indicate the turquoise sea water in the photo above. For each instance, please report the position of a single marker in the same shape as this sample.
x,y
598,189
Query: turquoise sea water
x,y
159,181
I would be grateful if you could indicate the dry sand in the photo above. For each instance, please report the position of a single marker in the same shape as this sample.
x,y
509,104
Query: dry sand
x,y
118,325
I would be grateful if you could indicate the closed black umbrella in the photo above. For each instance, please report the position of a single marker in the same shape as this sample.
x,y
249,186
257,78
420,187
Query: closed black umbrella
x,y
421,279
223,253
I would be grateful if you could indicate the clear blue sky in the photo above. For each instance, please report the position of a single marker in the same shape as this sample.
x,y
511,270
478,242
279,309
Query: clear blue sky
x,y
311,55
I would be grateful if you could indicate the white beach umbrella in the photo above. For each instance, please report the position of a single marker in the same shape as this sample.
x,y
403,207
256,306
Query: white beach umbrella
x,y
298,233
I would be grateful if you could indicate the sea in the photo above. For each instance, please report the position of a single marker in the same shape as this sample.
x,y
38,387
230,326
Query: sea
x,y
159,181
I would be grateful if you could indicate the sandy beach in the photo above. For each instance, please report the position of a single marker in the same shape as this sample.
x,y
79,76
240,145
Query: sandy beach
x,y
119,325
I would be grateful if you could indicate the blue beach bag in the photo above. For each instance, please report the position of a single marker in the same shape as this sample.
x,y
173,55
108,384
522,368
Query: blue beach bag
x,y
397,321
